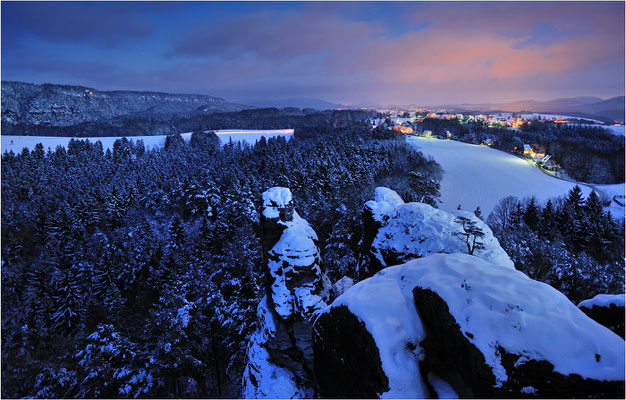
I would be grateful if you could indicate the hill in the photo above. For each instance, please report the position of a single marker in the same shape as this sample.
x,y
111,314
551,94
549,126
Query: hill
x,y
25,105
316,104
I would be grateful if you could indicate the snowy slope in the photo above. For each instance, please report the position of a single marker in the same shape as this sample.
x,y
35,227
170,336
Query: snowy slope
x,y
481,176
17,143
616,130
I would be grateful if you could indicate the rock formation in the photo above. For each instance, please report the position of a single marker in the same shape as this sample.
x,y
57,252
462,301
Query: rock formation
x,y
606,309
455,324
396,232
280,354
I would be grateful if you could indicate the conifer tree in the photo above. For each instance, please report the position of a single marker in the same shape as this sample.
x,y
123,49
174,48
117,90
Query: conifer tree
x,y
531,214
68,301
548,218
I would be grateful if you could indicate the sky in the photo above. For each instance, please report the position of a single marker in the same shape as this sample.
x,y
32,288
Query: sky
x,y
359,53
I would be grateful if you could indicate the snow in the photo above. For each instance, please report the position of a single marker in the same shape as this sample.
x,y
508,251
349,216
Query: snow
x,y
603,300
275,198
619,130
385,201
481,176
609,192
497,306
342,285
271,380
295,250
17,143
389,314
441,387
418,230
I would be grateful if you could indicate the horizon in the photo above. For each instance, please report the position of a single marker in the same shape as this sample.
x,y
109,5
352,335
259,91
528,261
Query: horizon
x,y
486,103
422,53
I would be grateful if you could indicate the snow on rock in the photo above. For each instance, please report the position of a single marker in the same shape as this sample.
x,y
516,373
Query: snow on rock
x,y
275,200
395,232
262,378
280,355
342,285
293,265
606,309
385,201
604,300
484,330
389,316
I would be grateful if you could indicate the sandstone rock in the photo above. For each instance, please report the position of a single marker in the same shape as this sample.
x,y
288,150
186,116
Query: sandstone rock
x,y
606,309
280,354
396,232
455,320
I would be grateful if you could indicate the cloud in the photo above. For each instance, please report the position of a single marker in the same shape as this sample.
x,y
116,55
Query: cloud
x,y
386,53
99,23
274,35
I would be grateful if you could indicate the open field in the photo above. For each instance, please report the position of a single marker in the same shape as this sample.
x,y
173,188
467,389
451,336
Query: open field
x,y
481,176
17,143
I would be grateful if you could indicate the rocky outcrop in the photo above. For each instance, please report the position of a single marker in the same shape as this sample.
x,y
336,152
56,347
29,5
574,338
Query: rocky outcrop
x,y
455,324
606,309
396,232
280,354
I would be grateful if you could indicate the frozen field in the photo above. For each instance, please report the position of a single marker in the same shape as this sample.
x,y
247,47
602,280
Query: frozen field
x,y
616,130
481,176
17,143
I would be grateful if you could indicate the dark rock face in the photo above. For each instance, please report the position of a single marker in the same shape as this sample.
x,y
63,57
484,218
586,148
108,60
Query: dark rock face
x,y
347,365
368,263
611,316
451,356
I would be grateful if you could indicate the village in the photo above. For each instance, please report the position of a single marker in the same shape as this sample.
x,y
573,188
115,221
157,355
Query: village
x,y
411,123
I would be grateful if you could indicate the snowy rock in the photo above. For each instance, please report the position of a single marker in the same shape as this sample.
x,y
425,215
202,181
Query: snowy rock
x,y
342,285
459,324
296,283
396,232
280,354
606,309
263,376
277,204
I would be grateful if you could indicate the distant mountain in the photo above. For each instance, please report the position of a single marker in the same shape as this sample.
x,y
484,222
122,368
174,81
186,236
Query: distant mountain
x,y
64,105
612,109
316,104
542,106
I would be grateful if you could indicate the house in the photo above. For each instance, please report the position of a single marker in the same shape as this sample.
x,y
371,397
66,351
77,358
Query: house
x,y
549,164
528,150
489,142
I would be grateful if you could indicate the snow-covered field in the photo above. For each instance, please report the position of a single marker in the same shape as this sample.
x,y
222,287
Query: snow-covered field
x,y
481,176
616,129
17,143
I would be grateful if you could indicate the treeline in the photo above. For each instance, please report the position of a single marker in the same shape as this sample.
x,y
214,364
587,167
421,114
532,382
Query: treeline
x,y
159,123
135,273
570,243
585,153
